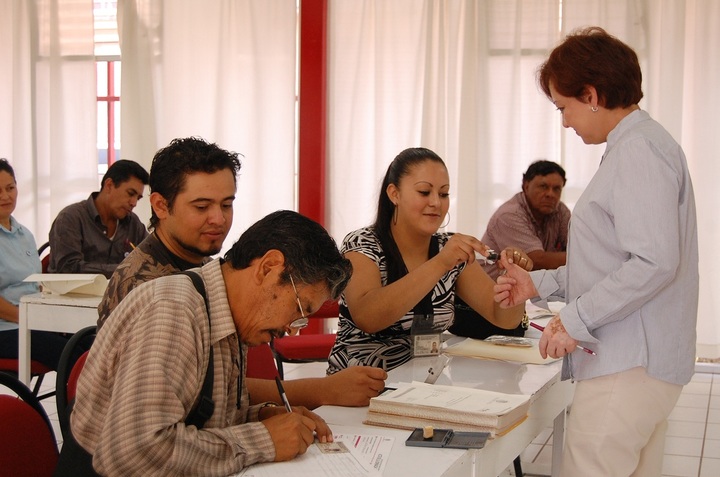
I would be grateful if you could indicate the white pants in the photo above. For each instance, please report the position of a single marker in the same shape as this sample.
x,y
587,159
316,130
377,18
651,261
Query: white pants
x,y
617,426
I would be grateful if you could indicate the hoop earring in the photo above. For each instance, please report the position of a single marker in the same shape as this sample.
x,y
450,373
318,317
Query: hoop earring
x,y
395,215
448,221
594,109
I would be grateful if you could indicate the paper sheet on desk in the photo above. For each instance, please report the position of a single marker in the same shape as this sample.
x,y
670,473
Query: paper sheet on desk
x,y
367,457
483,349
64,283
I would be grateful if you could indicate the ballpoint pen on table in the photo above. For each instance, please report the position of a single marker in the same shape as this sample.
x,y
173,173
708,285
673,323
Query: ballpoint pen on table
x,y
283,396
542,328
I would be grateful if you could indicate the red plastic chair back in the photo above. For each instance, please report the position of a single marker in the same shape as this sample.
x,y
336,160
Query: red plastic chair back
x,y
36,369
74,375
261,362
26,438
308,346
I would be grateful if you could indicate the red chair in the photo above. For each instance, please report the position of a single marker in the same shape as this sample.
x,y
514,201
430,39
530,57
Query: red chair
x,y
44,254
261,362
68,373
27,439
307,346
37,370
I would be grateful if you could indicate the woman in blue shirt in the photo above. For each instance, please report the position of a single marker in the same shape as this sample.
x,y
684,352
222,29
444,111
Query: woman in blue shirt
x,y
19,260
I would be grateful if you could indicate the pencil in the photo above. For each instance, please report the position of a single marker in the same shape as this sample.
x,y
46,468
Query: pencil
x,y
283,396
542,328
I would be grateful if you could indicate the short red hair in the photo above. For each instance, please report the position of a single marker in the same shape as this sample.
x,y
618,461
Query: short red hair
x,y
592,57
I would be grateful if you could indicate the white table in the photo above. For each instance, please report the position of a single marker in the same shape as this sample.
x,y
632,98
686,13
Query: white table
x,y
60,313
550,398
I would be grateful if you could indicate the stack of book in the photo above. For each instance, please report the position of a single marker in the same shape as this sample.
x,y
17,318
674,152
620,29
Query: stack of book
x,y
448,407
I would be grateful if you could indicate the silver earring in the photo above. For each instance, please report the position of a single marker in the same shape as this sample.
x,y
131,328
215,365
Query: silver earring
x,y
448,221
594,109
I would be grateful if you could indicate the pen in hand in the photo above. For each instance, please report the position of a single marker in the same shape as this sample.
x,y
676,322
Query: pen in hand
x,y
542,328
283,396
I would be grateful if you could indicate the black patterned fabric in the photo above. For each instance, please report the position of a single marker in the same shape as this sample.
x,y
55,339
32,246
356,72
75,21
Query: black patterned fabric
x,y
392,346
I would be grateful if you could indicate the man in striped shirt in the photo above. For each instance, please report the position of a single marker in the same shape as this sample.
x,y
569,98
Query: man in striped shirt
x,y
146,368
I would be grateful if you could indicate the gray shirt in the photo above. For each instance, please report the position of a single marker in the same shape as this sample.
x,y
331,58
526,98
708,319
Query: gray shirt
x,y
79,243
631,278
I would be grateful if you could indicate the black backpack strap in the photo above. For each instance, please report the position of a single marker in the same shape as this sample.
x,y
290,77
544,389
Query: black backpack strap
x,y
206,406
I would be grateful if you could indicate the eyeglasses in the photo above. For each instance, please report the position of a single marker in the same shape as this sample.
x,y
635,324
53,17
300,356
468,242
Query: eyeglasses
x,y
300,323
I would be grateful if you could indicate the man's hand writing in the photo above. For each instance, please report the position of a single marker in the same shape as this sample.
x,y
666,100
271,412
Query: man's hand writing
x,y
293,432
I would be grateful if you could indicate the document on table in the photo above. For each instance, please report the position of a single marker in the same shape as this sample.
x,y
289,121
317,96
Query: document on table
x,y
63,283
483,349
366,456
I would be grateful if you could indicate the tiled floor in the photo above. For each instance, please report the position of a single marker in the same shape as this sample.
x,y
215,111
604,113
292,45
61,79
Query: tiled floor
x,y
692,446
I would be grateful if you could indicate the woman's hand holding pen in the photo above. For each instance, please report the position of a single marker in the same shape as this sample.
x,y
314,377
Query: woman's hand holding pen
x,y
555,340
461,248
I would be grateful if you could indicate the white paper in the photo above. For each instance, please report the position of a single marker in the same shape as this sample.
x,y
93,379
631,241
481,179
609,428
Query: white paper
x,y
367,458
76,283
452,399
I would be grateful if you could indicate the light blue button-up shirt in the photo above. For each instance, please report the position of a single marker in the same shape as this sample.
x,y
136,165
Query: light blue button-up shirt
x,y
631,278
19,260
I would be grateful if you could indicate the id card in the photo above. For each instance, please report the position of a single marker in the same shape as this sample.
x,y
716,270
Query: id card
x,y
426,335
427,345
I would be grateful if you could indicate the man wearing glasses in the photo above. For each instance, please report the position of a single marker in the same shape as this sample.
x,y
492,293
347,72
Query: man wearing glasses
x,y
145,371
192,190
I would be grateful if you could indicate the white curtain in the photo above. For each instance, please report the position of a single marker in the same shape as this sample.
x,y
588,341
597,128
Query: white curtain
x,y
223,70
47,91
458,76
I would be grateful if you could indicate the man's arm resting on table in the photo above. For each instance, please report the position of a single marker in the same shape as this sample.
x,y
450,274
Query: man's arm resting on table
x,y
350,387
547,260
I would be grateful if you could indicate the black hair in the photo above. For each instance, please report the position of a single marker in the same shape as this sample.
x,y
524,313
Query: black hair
x,y
311,254
5,166
398,168
183,156
543,168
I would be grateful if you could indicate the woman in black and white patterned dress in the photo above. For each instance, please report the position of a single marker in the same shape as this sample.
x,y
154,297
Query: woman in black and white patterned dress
x,y
402,267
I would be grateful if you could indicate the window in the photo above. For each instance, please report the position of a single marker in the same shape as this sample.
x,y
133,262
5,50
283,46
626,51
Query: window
x,y
107,54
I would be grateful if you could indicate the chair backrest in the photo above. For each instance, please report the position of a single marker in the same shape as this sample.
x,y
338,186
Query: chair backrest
x,y
27,439
329,309
74,375
261,362
44,254
10,365
67,374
